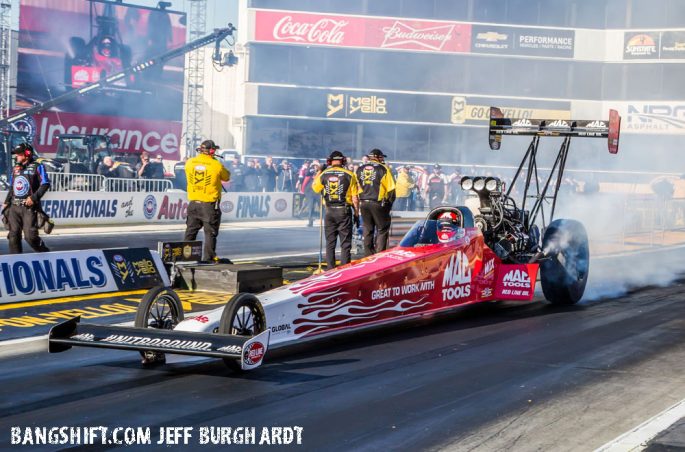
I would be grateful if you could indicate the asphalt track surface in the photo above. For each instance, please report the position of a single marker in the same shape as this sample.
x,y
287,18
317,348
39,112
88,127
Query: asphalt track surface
x,y
234,243
490,377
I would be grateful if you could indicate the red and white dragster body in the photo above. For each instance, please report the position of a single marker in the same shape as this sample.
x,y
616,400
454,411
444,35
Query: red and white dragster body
x,y
397,284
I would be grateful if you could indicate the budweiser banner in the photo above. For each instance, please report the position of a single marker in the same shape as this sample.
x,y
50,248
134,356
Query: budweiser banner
x,y
368,32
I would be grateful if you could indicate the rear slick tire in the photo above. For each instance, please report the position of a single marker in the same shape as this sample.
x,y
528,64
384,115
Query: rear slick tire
x,y
242,316
564,275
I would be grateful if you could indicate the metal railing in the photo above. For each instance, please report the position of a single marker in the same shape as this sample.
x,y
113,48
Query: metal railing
x,y
96,182
137,185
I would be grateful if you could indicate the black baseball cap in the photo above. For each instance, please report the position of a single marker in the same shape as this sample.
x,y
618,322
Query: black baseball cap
x,y
437,166
376,153
336,155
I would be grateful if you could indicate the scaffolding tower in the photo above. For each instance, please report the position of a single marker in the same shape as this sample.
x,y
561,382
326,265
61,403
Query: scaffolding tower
x,y
5,56
195,74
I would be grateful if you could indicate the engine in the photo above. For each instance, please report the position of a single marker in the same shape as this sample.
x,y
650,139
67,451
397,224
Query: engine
x,y
504,225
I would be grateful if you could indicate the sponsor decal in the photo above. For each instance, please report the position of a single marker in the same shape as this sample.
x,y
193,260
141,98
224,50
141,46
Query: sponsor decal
x,y
522,123
640,45
235,349
355,106
491,39
324,30
284,328
140,341
655,118
26,124
149,206
80,208
516,278
456,281
226,206
254,353
21,186
180,251
596,125
44,276
401,34
280,205
489,267
458,111
559,124
176,210
486,293
365,32
672,45
127,207
255,206
200,318
133,268
85,337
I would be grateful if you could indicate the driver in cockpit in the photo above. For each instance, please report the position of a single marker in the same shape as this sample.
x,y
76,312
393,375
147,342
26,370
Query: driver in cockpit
x,y
448,227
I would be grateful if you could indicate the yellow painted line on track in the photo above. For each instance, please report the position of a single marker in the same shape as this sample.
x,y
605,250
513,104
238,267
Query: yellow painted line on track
x,y
28,304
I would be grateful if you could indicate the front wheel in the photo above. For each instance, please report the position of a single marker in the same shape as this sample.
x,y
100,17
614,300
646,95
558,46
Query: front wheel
x,y
242,316
160,308
564,275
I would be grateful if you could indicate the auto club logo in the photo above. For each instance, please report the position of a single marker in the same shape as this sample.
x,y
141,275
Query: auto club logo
x,y
281,205
121,268
26,124
226,206
21,186
149,206
253,353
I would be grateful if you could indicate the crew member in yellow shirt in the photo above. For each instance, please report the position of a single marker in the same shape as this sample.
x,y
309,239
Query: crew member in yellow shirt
x,y
338,187
204,175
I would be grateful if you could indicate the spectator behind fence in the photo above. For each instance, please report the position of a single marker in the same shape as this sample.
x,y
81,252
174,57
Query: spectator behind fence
x,y
301,174
237,170
148,169
251,177
259,168
269,175
108,167
403,188
285,181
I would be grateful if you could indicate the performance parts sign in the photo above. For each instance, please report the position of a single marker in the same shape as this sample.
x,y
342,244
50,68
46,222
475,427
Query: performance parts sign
x,y
522,41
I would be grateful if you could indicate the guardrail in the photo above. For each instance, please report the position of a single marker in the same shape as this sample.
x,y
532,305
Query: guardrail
x,y
96,182
137,185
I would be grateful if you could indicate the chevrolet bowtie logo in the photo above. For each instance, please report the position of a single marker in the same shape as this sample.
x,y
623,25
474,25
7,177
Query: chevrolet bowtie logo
x,y
491,36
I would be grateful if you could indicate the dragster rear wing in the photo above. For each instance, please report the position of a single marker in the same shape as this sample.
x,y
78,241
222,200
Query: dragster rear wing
x,y
499,125
249,350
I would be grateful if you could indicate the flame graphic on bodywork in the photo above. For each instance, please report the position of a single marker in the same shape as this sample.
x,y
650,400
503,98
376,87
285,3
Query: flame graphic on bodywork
x,y
333,309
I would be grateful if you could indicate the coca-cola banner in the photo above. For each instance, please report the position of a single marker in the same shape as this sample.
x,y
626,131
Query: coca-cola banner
x,y
127,134
367,32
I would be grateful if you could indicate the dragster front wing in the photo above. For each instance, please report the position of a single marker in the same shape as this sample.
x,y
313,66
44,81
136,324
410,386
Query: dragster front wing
x,y
597,128
249,350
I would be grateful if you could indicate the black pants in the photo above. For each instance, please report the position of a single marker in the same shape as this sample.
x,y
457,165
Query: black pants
x,y
435,199
204,215
338,223
24,219
376,219
313,203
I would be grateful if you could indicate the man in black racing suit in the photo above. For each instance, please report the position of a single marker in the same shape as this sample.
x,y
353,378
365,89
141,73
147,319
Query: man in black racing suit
x,y
28,183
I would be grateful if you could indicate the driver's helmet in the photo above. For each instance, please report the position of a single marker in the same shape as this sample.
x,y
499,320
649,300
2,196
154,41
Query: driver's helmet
x,y
449,227
106,46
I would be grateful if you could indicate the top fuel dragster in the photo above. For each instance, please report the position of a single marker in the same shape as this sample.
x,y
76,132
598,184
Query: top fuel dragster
x,y
450,259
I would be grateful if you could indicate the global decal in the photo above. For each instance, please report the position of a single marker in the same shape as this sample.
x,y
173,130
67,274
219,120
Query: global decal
x,y
254,206
149,206
47,275
80,208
